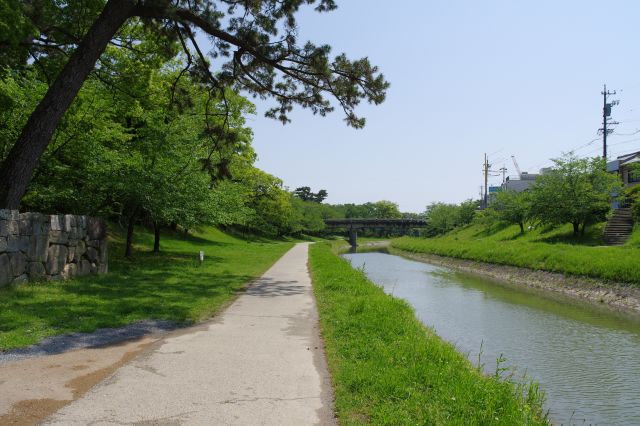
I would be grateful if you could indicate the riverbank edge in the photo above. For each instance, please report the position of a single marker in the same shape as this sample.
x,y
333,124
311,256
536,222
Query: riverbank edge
x,y
388,367
615,296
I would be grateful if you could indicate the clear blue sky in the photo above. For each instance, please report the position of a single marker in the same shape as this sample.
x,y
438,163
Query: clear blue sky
x,y
467,77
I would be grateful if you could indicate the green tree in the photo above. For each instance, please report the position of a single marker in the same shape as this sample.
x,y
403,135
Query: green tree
x,y
307,217
576,191
255,43
304,193
511,207
385,210
441,218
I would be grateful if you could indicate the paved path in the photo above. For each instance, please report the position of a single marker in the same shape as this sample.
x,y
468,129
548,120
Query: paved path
x,y
258,363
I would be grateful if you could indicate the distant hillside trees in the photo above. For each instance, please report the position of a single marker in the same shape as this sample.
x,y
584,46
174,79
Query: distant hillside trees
x,y
442,217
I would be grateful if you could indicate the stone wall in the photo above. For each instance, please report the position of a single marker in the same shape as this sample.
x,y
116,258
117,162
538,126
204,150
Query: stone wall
x,y
38,247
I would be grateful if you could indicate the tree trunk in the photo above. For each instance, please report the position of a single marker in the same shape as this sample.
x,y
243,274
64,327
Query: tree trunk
x,y
17,170
129,246
156,239
521,227
576,228
584,225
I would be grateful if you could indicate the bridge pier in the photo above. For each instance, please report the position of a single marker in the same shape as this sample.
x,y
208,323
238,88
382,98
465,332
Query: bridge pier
x,y
353,237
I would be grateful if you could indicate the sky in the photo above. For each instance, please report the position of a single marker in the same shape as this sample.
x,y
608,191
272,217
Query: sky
x,y
467,78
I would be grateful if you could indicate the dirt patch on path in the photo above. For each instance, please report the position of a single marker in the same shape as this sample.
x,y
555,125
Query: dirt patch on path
x,y
33,389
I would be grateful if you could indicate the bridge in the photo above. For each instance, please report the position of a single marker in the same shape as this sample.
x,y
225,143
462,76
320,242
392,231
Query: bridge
x,y
352,225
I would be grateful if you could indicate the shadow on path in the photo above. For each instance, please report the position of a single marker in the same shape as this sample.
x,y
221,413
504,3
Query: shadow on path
x,y
102,337
268,287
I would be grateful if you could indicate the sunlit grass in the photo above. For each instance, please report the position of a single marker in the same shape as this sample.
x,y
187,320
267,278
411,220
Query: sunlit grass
x,y
387,368
549,249
171,286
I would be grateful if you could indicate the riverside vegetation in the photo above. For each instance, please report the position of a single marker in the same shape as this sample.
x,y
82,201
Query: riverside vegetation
x,y
387,368
547,248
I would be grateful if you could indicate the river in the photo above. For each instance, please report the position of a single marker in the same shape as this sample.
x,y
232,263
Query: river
x,y
587,360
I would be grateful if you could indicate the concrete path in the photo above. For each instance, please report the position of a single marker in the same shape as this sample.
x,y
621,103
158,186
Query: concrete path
x,y
260,362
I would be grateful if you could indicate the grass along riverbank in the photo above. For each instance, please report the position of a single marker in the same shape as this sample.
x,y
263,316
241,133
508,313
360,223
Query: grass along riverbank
x,y
168,286
546,249
387,368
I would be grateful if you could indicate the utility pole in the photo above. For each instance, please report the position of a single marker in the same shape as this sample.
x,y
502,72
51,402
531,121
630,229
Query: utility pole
x,y
504,174
485,169
606,113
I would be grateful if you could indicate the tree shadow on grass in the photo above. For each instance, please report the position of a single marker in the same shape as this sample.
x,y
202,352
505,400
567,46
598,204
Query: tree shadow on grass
x,y
168,287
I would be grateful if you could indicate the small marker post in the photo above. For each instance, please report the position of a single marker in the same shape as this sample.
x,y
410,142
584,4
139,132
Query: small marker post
x,y
201,256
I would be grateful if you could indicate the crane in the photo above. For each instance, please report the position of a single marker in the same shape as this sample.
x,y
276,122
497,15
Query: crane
x,y
515,163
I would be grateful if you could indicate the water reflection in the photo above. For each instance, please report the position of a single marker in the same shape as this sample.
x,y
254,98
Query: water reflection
x,y
586,360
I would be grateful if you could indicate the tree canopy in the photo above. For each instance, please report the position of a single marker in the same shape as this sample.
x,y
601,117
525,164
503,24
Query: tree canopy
x,y
576,190
254,47
305,194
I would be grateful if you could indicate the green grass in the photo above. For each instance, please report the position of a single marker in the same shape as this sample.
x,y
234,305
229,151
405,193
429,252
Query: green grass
x,y
387,368
169,286
551,249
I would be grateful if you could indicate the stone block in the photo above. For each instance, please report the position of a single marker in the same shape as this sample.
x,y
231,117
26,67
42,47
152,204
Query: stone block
x,y
71,255
55,222
81,249
9,227
25,226
70,270
23,243
8,214
58,237
56,259
13,243
96,229
38,245
18,263
103,268
36,271
94,268
21,279
81,224
6,275
84,267
69,222
92,254
94,243
41,226
56,277
4,228
3,244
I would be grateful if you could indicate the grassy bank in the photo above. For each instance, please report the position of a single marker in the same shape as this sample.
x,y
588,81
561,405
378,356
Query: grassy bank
x,y
547,249
387,368
169,286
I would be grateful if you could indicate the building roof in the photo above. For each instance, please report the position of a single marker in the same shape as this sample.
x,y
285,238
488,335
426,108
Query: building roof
x,y
614,165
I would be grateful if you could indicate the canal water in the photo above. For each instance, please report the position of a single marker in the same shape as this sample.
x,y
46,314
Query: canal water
x,y
586,360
